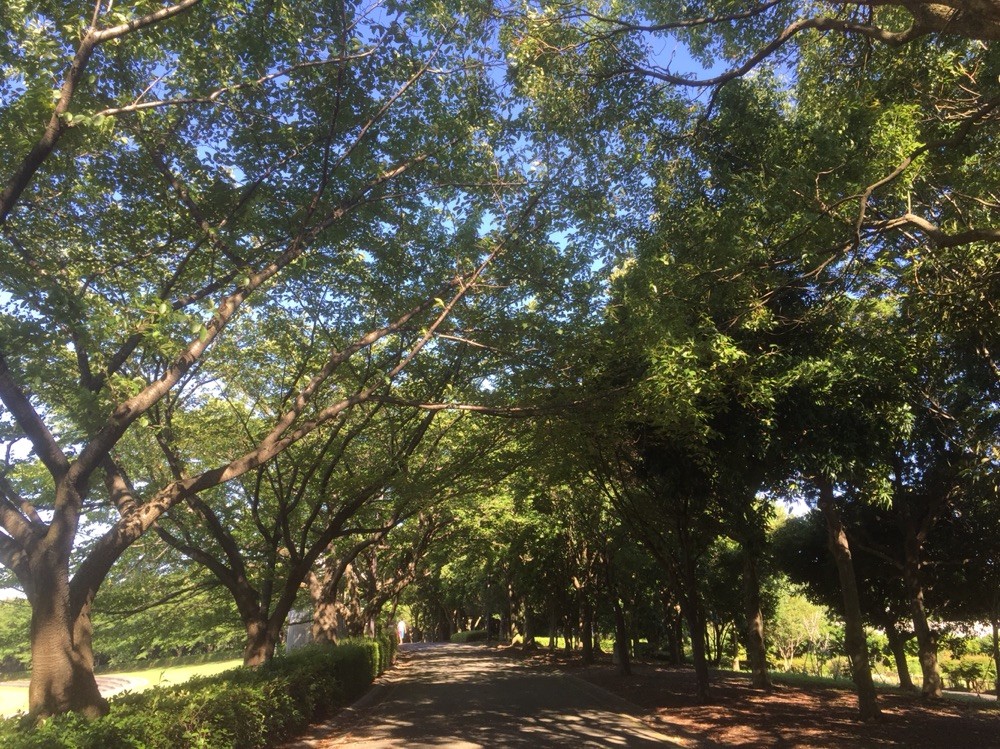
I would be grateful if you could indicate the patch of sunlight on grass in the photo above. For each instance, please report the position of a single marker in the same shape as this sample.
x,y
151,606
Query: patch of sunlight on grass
x,y
158,677
12,700
15,698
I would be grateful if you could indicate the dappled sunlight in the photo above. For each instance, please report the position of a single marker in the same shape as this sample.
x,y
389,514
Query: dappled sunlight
x,y
459,696
794,717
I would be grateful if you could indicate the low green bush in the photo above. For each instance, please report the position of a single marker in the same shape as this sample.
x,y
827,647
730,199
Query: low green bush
x,y
472,635
241,709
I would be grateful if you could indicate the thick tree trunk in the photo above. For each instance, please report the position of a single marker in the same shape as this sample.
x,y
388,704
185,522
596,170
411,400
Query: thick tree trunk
x,y
926,646
444,629
62,656
260,642
855,642
324,623
756,647
62,665
897,645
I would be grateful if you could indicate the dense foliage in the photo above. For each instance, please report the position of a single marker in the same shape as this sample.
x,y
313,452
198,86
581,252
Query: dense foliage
x,y
507,316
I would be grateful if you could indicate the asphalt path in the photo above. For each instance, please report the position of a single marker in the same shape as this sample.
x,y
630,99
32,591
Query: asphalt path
x,y
468,696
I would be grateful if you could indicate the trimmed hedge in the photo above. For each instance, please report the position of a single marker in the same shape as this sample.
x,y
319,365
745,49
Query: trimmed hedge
x,y
241,709
472,635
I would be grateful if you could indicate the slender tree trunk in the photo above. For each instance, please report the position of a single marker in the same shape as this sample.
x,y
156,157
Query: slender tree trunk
x,y
529,627
717,636
897,644
673,631
996,653
756,646
926,646
694,614
855,641
697,629
507,617
587,632
621,639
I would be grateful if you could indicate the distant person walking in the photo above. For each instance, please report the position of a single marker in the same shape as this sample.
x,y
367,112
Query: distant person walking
x,y
401,631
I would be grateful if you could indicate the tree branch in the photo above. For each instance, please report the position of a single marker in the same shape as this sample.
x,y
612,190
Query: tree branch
x,y
57,124
31,424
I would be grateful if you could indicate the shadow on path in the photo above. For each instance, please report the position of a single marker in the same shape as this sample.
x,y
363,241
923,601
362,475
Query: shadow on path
x,y
467,696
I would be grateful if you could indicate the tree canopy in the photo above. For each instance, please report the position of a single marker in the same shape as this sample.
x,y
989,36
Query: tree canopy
x,y
520,311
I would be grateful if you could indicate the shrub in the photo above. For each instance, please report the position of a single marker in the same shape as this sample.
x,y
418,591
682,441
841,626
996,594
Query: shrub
x,y
472,635
242,708
972,672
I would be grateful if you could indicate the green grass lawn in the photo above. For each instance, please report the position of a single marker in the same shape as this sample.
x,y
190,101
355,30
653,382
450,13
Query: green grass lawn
x,y
15,698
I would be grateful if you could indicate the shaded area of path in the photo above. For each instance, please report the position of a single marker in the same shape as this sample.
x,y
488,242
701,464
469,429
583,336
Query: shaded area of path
x,y
467,696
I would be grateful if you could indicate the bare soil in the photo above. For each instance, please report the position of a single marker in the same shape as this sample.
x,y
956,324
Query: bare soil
x,y
786,716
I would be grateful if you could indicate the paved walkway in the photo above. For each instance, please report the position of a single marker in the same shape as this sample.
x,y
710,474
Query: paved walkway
x,y
467,696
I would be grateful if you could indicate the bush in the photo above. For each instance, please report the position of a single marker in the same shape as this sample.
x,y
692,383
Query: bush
x,y
242,708
972,672
472,635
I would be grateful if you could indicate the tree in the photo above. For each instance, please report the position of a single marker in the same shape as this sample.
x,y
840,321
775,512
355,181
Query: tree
x,y
800,550
797,625
197,166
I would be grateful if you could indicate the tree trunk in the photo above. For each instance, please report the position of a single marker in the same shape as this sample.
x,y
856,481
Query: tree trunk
x,y
897,644
325,619
855,641
756,646
587,632
718,634
621,640
673,631
926,646
529,625
62,658
507,615
698,631
444,630
996,654
325,622
691,610
260,642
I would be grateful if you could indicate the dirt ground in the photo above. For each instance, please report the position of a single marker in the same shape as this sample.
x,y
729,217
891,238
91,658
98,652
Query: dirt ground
x,y
787,716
